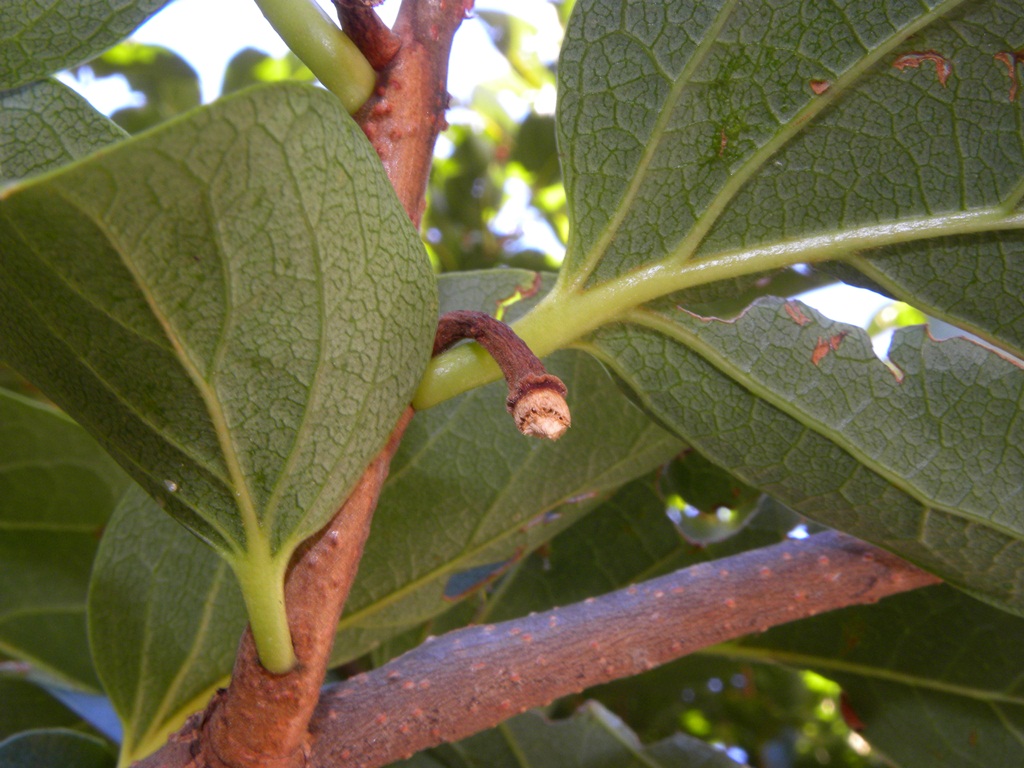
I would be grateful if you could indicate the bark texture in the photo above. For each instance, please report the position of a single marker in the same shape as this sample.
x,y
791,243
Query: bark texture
x,y
472,679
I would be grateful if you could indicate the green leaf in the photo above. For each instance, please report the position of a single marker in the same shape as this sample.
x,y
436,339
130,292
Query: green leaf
x,y
974,283
57,489
27,706
925,462
46,125
590,738
467,490
710,142
932,675
165,616
218,290
53,747
40,37
702,128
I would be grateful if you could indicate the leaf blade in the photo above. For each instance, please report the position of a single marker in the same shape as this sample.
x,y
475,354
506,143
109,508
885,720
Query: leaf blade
x,y
45,125
164,621
839,456
182,294
40,37
58,490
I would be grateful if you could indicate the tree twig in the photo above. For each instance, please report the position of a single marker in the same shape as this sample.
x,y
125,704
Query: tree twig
x,y
536,398
472,679
406,113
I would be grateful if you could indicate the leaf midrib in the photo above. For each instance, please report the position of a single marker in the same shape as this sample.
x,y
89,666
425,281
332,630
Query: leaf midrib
x,y
796,126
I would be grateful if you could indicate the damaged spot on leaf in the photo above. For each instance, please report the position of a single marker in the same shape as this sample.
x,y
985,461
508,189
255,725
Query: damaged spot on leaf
x,y
820,86
796,313
824,346
723,142
1011,59
915,59
519,294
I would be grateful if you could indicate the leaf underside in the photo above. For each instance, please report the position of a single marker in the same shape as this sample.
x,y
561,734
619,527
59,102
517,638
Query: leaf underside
x,y
725,140
40,37
216,309
57,490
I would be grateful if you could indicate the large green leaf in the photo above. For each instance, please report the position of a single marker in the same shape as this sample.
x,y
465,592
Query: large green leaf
x,y
466,490
702,128
40,37
45,125
925,461
235,304
591,738
57,489
706,144
165,616
714,142
932,676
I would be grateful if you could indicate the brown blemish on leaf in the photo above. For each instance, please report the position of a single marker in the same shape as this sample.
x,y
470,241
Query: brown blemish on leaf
x,y
820,86
824,346
797,314
1011,59
723,142
915,59
518,294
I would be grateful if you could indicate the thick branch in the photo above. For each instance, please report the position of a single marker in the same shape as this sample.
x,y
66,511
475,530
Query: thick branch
x,y
472,679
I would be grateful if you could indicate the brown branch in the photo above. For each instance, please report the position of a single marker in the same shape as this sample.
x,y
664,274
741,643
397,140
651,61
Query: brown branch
x,y
406,112
474,678
362,24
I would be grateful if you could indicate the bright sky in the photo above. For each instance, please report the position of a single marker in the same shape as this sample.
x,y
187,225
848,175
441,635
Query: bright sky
x,y
208,33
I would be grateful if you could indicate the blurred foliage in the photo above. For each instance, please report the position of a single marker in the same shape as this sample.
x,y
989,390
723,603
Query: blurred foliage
x,y
252,67
165,81
780,718
495,196
896,315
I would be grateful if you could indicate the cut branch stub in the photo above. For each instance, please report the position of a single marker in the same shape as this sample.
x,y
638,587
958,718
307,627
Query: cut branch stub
x,y
536,399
